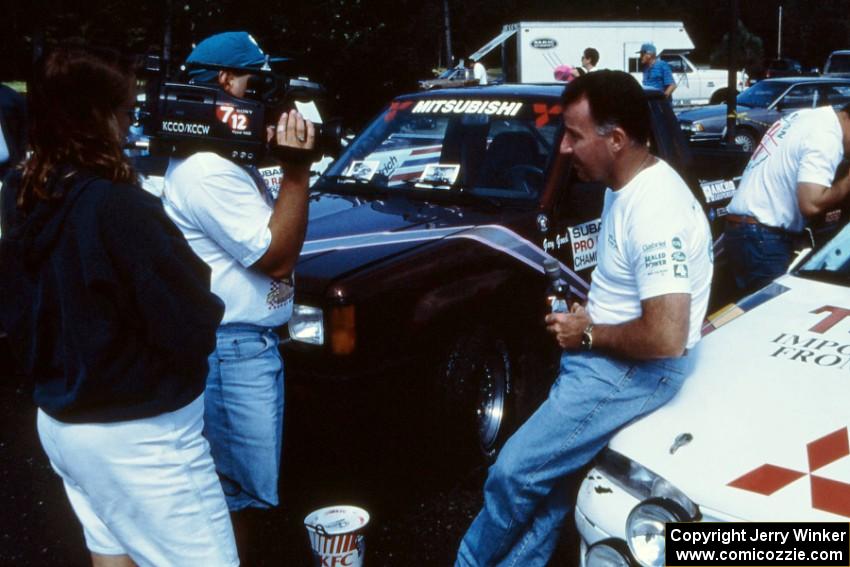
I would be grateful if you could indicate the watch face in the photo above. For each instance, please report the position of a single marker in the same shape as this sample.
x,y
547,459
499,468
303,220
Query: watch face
x,y
586,339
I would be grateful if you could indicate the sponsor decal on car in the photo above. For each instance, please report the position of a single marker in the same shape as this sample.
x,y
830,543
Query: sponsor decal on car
x,y
735,310
816,350
272,176
584,239
827,494
545,113
362,170
468,106
717,190
395,108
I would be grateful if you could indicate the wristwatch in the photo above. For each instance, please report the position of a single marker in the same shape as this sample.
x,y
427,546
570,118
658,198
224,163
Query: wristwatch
x,y
587,337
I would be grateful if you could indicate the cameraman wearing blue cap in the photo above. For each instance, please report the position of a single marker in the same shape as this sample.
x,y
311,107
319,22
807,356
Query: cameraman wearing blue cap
x,y
251,243
656,72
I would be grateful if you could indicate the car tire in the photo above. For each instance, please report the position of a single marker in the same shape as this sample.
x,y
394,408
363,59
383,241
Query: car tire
x,y
719,96
476,382
747,139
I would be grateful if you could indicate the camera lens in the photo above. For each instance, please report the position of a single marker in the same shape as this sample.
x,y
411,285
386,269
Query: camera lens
x,y
329,137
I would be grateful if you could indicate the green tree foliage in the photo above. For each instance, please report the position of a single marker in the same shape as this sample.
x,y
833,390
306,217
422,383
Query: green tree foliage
x,y
367,51
749,50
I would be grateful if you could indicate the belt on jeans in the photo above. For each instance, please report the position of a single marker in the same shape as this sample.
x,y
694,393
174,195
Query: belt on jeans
x,y
746,219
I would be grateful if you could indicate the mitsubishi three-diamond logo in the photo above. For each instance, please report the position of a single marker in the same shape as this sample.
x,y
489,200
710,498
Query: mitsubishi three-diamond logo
x,y
827,494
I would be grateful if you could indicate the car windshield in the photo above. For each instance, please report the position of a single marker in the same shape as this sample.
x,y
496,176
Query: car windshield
x,y
761,94
497,148
839,63
453,73
832,262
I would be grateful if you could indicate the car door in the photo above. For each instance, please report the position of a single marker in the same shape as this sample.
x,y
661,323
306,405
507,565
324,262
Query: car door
x,y
687,87
797,98
574,220
836,95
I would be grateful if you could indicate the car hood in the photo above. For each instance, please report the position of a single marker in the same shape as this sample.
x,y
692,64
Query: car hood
x,y
347,232
762,421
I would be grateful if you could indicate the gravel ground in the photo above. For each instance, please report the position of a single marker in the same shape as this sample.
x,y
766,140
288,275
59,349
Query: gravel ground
x,y
337,451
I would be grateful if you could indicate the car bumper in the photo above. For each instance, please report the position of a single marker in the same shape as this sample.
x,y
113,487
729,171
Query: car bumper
x,y
701,137
601,509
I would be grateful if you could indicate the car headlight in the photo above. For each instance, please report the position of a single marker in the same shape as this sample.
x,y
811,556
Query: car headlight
x,y
307,325
691,127
641,482
645,529
610,552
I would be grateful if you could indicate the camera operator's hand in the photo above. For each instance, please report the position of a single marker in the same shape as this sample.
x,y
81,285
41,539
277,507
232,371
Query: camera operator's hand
x,y
294,137
294,131
288,222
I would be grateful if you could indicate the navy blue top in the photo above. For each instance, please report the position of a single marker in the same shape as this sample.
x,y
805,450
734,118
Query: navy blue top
x,y
658,75
107,309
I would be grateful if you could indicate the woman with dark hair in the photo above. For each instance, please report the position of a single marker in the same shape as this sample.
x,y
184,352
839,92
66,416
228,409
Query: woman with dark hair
x,y
109,314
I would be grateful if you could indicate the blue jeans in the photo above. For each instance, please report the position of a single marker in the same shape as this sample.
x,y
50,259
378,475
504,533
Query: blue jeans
x,y
757,254
243,414
525,495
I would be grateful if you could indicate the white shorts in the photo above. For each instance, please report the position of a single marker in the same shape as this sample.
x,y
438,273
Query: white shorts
x,y
146,488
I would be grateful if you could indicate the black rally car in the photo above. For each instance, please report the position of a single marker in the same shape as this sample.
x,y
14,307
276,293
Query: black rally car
x,y
424,254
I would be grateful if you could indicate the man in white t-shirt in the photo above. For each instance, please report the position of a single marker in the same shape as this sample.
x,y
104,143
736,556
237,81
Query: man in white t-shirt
x,y
627,350
479,73
251,242
790,178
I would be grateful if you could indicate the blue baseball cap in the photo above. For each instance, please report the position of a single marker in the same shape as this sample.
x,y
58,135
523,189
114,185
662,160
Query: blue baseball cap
x,y
232,50
647,48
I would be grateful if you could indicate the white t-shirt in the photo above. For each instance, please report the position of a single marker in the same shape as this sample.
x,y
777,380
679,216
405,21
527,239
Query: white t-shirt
x,y
803,147
479,73
224,217
655,240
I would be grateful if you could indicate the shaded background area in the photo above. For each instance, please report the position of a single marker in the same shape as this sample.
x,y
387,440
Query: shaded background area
x,y
337,450
367,445
367,51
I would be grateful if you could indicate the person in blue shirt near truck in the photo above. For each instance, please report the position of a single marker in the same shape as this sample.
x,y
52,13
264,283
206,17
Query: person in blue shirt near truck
x,y
656,72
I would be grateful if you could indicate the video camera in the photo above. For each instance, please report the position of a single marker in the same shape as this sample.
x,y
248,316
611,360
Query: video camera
x,y
182,118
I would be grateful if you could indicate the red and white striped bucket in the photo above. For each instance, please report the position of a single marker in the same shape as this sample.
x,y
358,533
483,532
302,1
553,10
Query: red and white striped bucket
x,y
336,535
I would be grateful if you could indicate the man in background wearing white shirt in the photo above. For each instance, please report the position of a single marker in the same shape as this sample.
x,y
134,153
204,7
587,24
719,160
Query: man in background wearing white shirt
x,y
790,178
479,73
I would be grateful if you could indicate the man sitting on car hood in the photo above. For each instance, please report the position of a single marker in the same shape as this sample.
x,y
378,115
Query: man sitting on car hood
x,y
626,352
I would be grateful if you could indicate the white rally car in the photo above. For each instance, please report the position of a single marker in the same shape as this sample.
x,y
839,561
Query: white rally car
x,y
759,432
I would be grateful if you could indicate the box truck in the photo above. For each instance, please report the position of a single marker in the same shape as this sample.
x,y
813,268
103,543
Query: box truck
x,y
530,51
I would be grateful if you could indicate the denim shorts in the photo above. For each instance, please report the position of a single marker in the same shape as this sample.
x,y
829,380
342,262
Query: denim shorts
x,y
146,488
244,414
